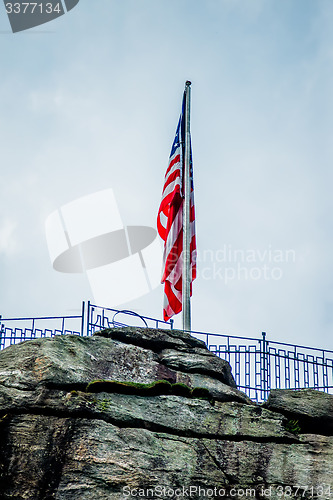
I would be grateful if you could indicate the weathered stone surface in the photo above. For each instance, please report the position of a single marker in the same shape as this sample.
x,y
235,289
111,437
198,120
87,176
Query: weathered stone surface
x,y
301,470
189,417
313,408
58,441
75,361
153,338
176,349
176,415
220,391
197,361
67,458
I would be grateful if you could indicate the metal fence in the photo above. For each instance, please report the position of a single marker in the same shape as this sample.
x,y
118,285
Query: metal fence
x,y
91,319
102,317
16,330
258,365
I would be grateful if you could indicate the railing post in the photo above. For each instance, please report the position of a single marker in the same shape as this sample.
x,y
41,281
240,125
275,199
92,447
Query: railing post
x,y
264,366
103,318
82,318
325,374
88,317
2,338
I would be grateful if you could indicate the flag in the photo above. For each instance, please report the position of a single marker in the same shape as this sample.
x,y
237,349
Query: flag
x,y
170,223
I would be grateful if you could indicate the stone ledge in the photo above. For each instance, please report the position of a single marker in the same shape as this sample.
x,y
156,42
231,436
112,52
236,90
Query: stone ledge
x,y
313,409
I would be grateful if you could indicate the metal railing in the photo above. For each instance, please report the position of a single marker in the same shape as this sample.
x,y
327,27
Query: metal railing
x,y
91,319
258,365
103,317
16,330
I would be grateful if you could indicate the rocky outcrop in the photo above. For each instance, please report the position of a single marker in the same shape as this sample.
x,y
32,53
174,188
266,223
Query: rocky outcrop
x,y
68,432
175,349
312,409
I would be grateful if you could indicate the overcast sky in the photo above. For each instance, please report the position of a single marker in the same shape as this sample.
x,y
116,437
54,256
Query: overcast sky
x,y
91,101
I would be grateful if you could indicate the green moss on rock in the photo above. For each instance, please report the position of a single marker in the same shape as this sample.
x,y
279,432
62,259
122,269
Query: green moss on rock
x,y
158,388
181,390
201,393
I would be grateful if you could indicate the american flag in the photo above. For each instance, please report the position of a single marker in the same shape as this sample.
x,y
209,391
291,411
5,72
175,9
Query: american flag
x,y
170,224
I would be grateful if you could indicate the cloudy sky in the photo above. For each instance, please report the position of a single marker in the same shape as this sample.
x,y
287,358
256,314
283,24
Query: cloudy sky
x,y
91,100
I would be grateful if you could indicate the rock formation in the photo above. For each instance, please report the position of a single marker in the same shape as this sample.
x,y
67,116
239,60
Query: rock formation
x,y
152,414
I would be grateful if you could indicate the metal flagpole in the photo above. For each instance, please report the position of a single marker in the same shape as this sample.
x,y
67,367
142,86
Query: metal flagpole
x,y
186,304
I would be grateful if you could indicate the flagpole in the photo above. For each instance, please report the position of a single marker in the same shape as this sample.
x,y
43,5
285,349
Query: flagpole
x,y
186,301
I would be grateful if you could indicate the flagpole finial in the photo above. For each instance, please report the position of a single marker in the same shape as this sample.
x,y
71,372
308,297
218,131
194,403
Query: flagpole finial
x,y
188,83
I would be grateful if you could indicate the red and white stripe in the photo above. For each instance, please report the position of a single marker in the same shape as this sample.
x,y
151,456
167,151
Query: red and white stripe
x,y
170,228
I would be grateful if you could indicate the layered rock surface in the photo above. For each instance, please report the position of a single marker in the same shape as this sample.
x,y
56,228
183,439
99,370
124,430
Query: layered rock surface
x,y
61,439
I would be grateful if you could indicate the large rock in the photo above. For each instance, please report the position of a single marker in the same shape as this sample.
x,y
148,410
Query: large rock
x,y
183,416
49,456
72,361
176,349
313,409
61,439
